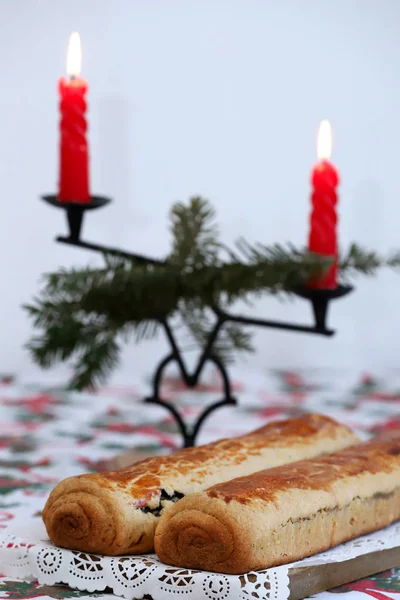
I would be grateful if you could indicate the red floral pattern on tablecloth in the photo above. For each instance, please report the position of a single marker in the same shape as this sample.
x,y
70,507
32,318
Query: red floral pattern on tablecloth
x,y
49,433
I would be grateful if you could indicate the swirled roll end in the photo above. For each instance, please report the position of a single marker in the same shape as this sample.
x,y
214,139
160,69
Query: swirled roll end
x,y
81,515
192,538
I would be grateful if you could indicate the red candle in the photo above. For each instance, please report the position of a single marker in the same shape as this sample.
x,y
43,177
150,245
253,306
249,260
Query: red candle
x,y
323,220
74,155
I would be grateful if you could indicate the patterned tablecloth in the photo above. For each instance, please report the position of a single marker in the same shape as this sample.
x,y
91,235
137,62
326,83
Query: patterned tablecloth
x,y
47,434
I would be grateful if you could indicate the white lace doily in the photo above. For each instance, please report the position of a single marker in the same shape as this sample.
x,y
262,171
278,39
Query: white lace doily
x,y
26,553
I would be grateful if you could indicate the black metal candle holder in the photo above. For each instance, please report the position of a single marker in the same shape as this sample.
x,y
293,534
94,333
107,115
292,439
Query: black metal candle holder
x,y
319,298
75,212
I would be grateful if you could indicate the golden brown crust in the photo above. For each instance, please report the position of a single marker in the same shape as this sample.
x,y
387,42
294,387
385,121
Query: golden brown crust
x,y
317,474
116,512
283,514
146,475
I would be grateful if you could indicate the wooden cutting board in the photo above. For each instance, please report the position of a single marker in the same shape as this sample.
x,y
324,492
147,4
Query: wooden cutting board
x,y
306,581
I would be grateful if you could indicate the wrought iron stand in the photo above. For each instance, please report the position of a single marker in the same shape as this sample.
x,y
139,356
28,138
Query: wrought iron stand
x,y
319,299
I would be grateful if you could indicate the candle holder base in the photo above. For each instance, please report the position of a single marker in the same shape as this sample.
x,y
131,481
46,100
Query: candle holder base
x,y
75,211
320,299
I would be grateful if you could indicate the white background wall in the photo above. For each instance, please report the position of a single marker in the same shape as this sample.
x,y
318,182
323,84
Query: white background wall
x,y
220,98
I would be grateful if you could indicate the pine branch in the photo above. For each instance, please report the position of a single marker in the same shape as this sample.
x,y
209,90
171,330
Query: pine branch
x,y
95,363
394,260
200,322
357,260
238,338
195,234
83,314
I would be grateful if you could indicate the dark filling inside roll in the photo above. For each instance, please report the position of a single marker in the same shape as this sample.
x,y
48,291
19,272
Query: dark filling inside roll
x,y
156,511
377,496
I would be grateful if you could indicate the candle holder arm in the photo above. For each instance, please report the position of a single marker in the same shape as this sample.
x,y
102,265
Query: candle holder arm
x,y
139,258
75,212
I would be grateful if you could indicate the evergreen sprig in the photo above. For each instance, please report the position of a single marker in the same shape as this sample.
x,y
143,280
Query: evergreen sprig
x,y
85,314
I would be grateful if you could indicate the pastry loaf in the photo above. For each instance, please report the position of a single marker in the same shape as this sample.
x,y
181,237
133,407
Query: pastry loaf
x,y
284,514
117,512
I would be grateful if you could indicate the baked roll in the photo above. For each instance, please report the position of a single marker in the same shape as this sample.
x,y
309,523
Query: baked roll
x,y
117,512
284,514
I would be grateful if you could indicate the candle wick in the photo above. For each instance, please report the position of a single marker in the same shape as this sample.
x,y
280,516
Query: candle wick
x,y
72,77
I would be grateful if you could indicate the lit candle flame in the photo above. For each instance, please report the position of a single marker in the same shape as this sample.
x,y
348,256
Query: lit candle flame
x,y
324,146
74,55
